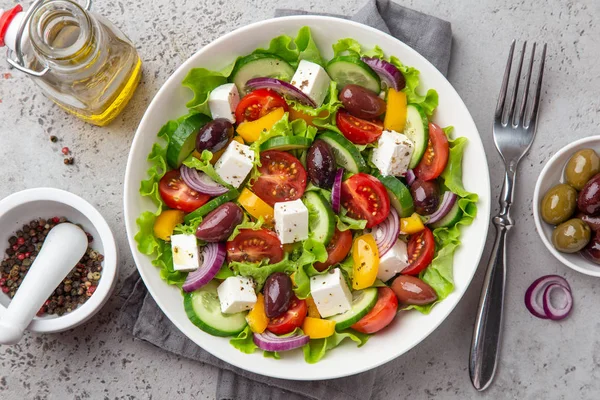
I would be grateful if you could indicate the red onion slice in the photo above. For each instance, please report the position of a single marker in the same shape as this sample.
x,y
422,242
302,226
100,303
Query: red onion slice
x,y
387,72
535,293
386,233
268,341
410,177
201,182
446,205
213,258
281,87
336,191
550,309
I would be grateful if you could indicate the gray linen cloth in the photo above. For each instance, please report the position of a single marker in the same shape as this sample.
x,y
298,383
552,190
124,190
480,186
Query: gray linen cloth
x,y
141,316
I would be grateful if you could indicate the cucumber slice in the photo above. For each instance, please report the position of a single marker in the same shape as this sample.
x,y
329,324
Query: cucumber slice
x,y
321,218
346,70
286,143
211,205
362,302
260,65
417,130
183,141
346,153
400,197
204,310
454,215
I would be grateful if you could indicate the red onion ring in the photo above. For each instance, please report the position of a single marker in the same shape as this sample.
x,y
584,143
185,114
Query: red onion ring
x,y
336,191
444,208
281,87
201,182
535,293
386,233
410,177
553,312
387,72
268,341
213,258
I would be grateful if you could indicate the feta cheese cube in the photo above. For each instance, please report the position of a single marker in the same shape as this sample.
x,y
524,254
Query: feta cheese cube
x,y
223,101
393,153
291,221
235,164
392,262
236,294
312,80
331,293
185,252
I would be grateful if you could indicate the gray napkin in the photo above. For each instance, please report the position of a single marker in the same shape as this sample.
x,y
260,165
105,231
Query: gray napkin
x,y
140,315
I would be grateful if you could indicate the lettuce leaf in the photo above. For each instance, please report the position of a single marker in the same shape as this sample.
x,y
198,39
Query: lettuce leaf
x,y
203,164
324,115
292,50
259,272
315,350
344,222
312,251
164,261
244,341
247,223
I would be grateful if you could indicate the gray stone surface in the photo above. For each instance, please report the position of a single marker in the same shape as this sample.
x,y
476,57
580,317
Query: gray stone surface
x,y
540,359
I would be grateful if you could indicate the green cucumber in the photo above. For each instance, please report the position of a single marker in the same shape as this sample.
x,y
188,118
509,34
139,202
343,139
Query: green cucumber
x,y
400,196
260,65
345,70
362,302
204,310
286,143
346,153
211,205
417,130
454,215
321,218
183,141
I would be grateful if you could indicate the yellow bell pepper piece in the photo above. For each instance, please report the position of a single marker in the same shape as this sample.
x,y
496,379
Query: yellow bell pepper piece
x,y
317,328
411,225
366,262
250,131
166,222
257,317
313,311
256,206
395,114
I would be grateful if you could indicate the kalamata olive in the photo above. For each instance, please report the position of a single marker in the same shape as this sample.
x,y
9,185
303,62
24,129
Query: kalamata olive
x,y
278,293
220,223
410,290
571,236
589,197
592,250
593,222
320,161
361,102
425,195
214,135
581,167
559,204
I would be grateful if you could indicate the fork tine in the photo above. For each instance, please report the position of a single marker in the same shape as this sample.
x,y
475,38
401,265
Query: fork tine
x,y
504,87
513,99
536,100
521,116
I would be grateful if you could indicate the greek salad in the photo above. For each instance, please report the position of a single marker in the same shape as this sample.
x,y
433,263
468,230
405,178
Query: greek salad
x,y
303,201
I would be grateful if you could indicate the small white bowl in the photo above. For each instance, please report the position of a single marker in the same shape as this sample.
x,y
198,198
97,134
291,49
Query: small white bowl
x,y
551,175
22,207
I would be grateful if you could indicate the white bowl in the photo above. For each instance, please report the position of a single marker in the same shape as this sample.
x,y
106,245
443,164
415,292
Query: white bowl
x,y
551,175
22,207
405,332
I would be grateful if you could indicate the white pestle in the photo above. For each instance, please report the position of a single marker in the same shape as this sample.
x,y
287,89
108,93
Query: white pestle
x,y
63,248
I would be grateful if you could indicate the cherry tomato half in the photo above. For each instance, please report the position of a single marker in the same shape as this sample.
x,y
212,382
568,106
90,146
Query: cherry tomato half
x,y
177,195
338,248
421,248
282,177
365,198
254,246
356,130
435,158
381,314
291,319
257,104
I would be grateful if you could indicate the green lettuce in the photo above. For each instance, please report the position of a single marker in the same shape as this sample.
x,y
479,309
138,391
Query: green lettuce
x,y
244,341
315,350
324,115
292,50
164,261
203,164
259,272
312,251
344,222
247,223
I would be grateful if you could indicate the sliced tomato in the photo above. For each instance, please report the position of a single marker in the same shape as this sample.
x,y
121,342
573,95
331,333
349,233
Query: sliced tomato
x,y
357,130
282,177
338,248
292,319
365,197
381,314
179,196
421,248
257,104
435,158
254,246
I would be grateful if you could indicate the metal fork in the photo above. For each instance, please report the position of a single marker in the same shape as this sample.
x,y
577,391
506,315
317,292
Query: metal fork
x,y
514,131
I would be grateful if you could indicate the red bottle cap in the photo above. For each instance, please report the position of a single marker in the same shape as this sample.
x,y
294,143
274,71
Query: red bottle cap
x,y
5,20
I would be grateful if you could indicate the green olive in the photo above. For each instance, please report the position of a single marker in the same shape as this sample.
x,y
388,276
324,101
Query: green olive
x,y
581,167
571,236
559,203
